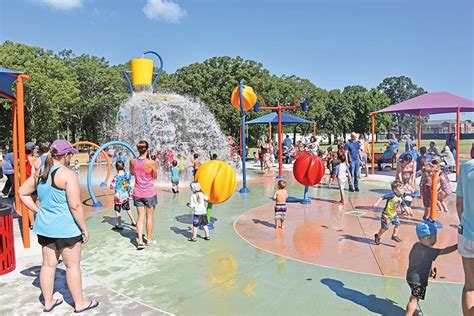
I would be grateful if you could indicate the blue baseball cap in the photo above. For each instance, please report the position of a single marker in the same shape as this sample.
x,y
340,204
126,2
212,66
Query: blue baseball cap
x,y
426,228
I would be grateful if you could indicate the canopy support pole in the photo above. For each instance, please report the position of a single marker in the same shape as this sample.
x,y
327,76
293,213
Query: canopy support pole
x,y
419,130
458,142
373,144
280,146
20,113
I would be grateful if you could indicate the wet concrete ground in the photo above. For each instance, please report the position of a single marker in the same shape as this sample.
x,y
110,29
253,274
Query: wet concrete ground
x,y
323,263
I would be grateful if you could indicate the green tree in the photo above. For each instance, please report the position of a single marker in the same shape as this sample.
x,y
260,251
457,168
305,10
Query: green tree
x,y
339,114
52,87
400,89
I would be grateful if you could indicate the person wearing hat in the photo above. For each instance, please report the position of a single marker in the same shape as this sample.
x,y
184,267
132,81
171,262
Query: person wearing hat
x,y
60,224
353,149
465,209
421,258
198,204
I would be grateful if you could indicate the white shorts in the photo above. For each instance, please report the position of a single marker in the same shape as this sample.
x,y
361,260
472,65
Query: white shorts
x,y
342,183
465,247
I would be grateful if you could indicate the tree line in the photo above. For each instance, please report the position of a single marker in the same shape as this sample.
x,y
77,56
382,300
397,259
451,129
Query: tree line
x,y
77,97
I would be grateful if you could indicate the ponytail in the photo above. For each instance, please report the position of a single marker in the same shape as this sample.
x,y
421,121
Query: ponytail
x,y
142,147
47,167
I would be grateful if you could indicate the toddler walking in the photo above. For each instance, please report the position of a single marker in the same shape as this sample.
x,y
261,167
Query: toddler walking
x,y
389,214
175,172
198,204
123,188
342,174
280,197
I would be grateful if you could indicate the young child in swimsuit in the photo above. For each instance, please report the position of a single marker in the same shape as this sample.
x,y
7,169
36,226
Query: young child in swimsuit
x,y
280,197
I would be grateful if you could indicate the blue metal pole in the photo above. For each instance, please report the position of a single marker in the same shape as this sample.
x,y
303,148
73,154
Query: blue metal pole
x,y
306,199
127,77
244,188
95,202
153,85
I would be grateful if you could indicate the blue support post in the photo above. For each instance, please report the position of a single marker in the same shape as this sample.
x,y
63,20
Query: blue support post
x,y
127,77
95,201
306,199
244,188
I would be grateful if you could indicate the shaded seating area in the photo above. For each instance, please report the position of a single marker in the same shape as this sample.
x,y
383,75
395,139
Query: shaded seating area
x,y
428,104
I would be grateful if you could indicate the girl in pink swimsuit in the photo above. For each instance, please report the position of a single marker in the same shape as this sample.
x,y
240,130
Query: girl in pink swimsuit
x,y
444,190
144,192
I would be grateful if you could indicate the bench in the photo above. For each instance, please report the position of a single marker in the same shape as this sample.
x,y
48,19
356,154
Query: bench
x,y
392,162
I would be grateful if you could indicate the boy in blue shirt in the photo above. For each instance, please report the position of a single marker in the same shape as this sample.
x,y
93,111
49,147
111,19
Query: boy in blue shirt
x,y
175,177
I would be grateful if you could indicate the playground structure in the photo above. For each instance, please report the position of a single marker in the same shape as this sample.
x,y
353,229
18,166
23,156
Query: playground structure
x,y
104,154
95,201
279,109
142,73
218,182
308,170
243,98
7,78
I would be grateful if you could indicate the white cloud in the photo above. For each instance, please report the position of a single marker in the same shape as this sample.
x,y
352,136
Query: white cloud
x,y
62,4
164,10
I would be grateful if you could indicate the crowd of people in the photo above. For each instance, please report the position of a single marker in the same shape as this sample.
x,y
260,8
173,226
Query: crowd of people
x,y
52,194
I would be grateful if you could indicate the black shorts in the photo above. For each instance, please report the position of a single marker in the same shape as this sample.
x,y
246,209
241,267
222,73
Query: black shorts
x,y
145,202
60,243
200,220
124,206
417,290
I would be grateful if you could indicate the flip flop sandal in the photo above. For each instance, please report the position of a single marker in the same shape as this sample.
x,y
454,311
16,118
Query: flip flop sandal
x,y
92,304
56,303
192,239
207,238
140,246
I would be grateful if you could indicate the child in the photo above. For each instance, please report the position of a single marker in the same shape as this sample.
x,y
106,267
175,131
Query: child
x,y
196,163
426,184
280,197
444,190
255,157
389,214
123,189
237,161
333,163
421,258
76,167
175,177
197,203
342,174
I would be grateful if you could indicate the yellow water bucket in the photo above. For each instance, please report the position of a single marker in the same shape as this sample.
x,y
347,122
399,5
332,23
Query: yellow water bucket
x,y
142,71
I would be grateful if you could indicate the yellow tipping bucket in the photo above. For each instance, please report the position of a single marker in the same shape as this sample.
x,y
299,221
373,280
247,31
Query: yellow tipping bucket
x,y
142,71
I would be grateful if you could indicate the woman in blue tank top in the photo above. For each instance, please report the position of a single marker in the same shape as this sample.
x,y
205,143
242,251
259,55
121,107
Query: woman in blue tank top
x,y
59,224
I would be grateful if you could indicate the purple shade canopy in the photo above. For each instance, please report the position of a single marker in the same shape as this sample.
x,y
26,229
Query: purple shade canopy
x,y
431,103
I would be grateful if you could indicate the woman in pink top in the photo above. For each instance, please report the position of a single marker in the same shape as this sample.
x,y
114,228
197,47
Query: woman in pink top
x,y
144,192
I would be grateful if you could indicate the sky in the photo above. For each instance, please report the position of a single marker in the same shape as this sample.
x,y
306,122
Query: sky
x,y
333,43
